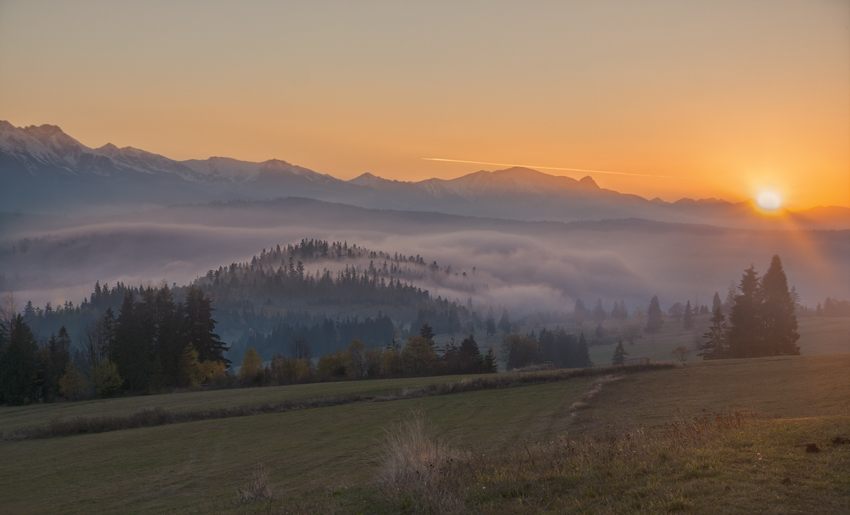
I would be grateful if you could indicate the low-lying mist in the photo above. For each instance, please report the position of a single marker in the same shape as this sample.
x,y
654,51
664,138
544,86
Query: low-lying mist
x,y
525,266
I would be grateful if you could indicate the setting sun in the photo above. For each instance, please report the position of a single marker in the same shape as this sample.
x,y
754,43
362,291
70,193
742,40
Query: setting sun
x,y
769,200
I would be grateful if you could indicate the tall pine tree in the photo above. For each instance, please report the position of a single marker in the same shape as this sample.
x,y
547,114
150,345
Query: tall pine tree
x,y
653,316
745,336
779,323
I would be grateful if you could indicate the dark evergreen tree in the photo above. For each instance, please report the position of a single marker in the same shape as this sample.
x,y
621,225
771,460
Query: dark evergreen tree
x,y
131,350
579,311
505,322
779,323
491,323
18,363
470,347
427,333
715,303
745,337
200,327
619,357
653,316
715,344
582,355
170,342
58,356
599,313
688,317
490,362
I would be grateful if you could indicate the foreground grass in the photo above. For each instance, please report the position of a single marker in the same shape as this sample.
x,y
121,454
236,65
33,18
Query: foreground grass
x,y
717,463
196,467
326,459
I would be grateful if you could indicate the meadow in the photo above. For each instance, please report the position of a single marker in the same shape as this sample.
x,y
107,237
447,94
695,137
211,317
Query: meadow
x,y
330,459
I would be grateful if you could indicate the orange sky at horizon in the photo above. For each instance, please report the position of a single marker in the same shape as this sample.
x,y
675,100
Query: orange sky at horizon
x,y
724,99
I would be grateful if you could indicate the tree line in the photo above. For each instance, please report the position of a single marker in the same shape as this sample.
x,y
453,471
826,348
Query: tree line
x,y
153,344
761,322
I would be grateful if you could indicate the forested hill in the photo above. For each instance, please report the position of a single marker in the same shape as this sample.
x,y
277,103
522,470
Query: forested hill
x,y
336,279
324,291
348,275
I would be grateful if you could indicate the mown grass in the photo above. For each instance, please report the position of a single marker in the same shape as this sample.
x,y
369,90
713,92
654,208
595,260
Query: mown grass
x,y
196,467
327,459
18,417
159,416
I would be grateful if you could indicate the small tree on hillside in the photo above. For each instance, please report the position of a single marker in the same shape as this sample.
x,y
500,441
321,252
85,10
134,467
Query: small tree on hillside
x,y
620,354
251,363
715,345
505,322
653,316
688,317
681,353
428,333
676,310
105,379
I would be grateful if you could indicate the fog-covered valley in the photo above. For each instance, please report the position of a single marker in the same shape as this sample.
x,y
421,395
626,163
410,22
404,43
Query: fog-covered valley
x,y
525,266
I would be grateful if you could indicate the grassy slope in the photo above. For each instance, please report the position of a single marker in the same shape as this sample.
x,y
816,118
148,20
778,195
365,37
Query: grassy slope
x,y
39,414
195,467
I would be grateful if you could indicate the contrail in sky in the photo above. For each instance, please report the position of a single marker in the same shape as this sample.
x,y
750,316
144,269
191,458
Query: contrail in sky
x,y
544,167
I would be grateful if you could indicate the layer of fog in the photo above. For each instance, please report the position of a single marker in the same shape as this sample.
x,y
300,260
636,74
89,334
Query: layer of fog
x,y
523,266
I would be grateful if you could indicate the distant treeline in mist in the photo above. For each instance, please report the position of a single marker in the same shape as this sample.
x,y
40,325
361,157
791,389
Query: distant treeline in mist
x,y
281,277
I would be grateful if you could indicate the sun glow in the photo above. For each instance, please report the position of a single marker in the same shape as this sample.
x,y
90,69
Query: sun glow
x,y
769,200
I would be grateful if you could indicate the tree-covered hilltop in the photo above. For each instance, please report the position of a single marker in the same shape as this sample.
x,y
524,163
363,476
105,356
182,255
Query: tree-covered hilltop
x,y
284,276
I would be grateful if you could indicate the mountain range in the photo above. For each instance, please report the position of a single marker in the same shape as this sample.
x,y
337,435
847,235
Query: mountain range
x,y
44,170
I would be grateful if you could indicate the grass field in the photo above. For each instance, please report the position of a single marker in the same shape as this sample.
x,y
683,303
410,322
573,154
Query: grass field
x,y
328,456
38,414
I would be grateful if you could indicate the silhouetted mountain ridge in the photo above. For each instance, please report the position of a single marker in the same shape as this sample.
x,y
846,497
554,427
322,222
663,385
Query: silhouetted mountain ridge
x,y
46,170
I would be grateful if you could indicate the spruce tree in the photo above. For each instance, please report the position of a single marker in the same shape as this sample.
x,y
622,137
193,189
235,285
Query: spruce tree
x,y
745,337
688,317
582,354
18,363
200,327
779,323
715,303
653,315
620,354
715,345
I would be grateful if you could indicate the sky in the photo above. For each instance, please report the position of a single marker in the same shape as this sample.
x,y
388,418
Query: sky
x,y
724,99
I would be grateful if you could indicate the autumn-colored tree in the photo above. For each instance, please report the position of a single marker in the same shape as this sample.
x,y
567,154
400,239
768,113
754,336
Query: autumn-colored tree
x,y
72,385
357,365
418,356
681,353
391,363
334,364
105,379
521,350
251,363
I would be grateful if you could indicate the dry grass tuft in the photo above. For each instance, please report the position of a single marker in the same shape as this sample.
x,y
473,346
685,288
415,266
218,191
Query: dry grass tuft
x,y
257,488
413,464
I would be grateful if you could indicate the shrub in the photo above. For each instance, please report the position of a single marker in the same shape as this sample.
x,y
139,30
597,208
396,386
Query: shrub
x,y
72,385
105,378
